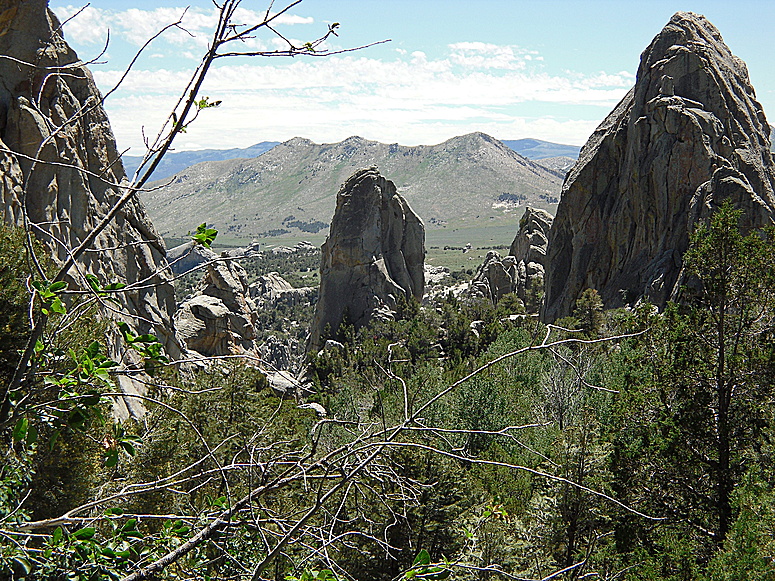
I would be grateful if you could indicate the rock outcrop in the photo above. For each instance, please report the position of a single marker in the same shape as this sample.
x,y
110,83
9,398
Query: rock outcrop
x,y
61,169
272,290
188,256
522,271
529,249
277,354
220,318
689,134
374,253
495,278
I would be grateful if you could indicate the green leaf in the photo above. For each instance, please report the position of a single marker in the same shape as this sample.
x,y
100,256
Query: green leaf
x,y
84,533
57,536
57,286
422,558
94,349
58,306
127,447
204,235
32,435
20,430
125,331
93,282
181,530
111,458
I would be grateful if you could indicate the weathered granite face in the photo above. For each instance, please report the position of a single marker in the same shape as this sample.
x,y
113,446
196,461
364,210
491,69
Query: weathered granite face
x,y
50,110
522,271
688,135
220,318
496,277
374,253
188,256
529,248
272,290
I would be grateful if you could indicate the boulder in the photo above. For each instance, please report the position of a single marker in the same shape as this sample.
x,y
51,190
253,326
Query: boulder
x,y
269,286
374,253
271,290
61,174
435,274
188,256
689,134
220,318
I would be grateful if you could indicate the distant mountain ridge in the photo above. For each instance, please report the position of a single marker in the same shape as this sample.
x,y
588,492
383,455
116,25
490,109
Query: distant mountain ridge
x,y
537,149
177,161
469,180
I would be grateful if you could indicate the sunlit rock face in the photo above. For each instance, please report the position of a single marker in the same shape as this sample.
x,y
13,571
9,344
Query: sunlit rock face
x,y
60,170
522,271
374,254
220,318
688,135
529,248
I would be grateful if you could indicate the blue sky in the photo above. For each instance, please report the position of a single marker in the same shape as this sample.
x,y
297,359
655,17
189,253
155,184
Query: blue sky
x,y
550,70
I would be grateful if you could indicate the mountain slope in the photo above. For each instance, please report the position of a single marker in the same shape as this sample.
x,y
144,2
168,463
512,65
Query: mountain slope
x,y
467,180
177,161
180,160
537,149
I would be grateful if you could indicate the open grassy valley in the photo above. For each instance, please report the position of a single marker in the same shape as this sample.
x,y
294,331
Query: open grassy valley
x,y
469,182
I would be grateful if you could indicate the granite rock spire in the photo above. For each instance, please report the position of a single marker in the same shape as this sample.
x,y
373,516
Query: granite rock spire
x,y
375,253
689,134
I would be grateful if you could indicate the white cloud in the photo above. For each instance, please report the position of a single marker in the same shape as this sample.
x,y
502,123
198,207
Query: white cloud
x,y
89,26
481,55
136,26
411,99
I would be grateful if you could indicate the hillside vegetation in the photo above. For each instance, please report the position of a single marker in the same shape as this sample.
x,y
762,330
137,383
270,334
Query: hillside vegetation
x,y
614,445
468,181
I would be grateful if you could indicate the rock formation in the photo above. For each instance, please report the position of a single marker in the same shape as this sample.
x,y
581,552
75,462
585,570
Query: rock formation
x,y
689,134
272,290
188,256
522,271
529,248
276,354
220,318
51,111
496,277
374,253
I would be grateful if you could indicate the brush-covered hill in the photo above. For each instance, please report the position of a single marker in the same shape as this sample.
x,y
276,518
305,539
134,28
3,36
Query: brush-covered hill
x,y
466,181
177,161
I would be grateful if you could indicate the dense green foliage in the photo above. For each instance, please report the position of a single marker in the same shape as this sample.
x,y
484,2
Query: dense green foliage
x,y
457,440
